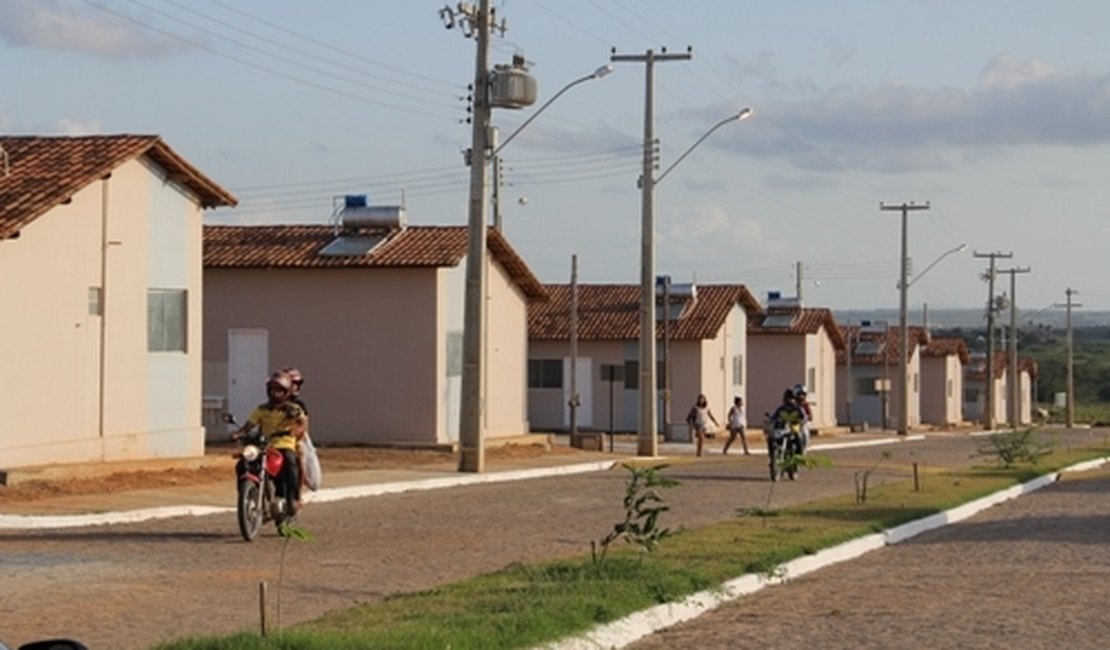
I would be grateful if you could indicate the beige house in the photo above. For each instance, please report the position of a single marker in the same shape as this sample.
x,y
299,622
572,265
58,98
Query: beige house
x,y
701,342
373,317
100,282
942,381
975,376
868,382
787,345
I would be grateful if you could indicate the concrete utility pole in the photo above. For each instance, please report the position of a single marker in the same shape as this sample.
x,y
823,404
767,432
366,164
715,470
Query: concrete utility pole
x,y
1014,377
472,407
988,409
574,401
647,438
798,281
903,334
1070,383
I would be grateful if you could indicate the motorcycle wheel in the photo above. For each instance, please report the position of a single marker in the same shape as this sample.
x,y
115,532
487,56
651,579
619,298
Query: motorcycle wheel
x,y
249,509
790,462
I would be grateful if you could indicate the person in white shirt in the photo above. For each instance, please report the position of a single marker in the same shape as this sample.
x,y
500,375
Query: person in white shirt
x,y
737,424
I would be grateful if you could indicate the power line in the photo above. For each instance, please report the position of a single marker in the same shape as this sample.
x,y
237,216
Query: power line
x,y
262,68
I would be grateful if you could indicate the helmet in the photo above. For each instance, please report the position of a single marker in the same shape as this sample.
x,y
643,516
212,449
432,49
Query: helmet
x,y
788,394
279,380
295,375
799,390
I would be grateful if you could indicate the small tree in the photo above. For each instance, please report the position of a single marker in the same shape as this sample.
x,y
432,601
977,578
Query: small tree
x,y
642,507
1010,448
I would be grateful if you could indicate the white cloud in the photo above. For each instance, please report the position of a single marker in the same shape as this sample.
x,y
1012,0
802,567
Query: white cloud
x,y
63,25
710,238
895,128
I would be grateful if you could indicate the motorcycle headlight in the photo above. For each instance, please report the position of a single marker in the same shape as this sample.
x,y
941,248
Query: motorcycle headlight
x,y
250,452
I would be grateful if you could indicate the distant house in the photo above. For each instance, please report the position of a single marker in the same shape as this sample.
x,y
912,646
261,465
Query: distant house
x,y
373,317
791,344
868,385
701,348
942,385
974,391
100,282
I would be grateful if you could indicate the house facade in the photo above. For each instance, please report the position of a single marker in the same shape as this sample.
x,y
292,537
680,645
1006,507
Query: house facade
x,y
787,345
942,381
374,321
701,348
100,278
868,385
975,394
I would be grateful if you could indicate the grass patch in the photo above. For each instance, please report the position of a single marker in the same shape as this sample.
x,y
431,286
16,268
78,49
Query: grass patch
x,y
525,605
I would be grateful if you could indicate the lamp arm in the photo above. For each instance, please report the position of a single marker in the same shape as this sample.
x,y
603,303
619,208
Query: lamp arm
x,y
539,110
693,146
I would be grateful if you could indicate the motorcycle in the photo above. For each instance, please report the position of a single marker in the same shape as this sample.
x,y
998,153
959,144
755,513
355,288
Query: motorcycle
x,y
784,446
49,644
260,473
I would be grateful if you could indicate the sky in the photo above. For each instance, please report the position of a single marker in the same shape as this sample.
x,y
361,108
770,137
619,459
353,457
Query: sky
x,y
994,113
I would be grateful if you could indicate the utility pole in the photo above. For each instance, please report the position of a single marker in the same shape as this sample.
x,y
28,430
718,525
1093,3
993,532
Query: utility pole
x,y
472,406
1070,384
574,401
666,350
798,281
647,438
988,408
903,326
1015,393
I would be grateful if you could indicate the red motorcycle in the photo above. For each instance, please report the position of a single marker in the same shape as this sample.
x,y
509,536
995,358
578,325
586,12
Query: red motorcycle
x,y
260,471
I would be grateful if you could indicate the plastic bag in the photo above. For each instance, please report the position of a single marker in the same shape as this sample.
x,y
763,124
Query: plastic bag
x,y
311,464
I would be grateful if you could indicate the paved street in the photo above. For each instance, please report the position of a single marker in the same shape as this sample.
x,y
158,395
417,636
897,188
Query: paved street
x,y
129,586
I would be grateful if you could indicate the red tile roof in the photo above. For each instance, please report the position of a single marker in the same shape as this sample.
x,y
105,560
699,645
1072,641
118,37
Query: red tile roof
x,y
39,173
298,246
947,347
611,312
806,320
889,338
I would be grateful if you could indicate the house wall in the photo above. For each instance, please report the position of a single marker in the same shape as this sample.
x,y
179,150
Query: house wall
x,y
122,402
365,340
821,354
942,390
506,364
775,362
865,408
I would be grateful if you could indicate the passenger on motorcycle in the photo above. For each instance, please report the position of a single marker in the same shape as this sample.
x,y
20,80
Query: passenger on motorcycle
x,y
284,422
803,403
302,463
788,414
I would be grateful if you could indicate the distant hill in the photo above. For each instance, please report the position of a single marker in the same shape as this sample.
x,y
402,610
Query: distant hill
x,y
972,318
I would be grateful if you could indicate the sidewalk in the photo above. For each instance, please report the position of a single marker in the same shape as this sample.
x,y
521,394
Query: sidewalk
x,y
132,506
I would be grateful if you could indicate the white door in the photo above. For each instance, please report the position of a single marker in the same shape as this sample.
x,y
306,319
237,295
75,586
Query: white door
x,y
248,366
585,392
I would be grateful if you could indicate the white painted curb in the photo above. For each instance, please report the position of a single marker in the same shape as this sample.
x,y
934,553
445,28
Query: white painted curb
x,y
639,625
24,522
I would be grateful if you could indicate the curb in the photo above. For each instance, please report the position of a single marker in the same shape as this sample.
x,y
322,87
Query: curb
x,y
26,522
636,626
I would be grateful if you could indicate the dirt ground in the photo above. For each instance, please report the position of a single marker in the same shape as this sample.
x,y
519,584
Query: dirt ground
x,y
215,469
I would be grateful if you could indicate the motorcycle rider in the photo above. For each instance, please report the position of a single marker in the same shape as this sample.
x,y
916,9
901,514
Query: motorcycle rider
x,y
803,403
284,422
788,414
297,378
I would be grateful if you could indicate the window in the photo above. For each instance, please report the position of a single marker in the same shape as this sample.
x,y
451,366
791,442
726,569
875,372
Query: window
x,y
971,395
632,375
950,386
454,353
545,373
738,370
166,320
811,381
95,302
865,386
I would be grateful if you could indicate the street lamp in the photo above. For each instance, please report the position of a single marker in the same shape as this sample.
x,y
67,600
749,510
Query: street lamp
x,y
959,249
472,405
647,444
603,71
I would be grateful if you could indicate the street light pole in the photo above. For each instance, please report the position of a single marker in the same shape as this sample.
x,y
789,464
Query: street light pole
x,y
903,334
472,406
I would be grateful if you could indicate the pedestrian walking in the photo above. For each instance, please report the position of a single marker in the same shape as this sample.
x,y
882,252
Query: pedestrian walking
x,y
737,425
699,418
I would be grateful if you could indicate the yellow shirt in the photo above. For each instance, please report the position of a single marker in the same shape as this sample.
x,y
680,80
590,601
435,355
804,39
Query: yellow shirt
x,y
276,422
